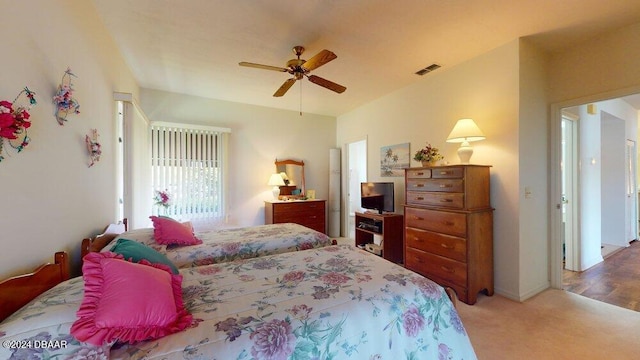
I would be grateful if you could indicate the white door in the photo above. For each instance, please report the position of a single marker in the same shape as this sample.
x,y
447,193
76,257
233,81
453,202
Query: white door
x,y
568,169
631,222
334,193
356,171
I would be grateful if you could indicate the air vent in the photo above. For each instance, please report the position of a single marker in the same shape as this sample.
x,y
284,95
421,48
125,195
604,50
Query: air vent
x,y
428,69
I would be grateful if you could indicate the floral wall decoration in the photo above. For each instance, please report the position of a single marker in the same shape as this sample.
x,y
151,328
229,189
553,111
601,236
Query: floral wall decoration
x,y
14,122
64,101
93,147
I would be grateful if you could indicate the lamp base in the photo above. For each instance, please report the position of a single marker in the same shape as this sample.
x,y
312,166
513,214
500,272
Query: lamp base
x,y
464,152
276,192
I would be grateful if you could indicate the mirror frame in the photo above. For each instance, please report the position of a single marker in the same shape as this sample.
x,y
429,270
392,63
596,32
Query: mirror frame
x,y
302,181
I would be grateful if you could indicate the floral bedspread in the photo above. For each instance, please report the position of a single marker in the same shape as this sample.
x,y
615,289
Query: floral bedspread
x,y
335,302
233,244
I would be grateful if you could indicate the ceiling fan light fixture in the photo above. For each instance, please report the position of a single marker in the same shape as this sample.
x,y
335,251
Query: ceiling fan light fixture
x,y
300,68
428,69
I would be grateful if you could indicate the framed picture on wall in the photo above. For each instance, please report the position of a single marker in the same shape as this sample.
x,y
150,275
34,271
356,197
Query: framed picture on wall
x,y
394,159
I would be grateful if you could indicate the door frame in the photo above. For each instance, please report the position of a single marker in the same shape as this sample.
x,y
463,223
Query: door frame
x,y
555,176
347,178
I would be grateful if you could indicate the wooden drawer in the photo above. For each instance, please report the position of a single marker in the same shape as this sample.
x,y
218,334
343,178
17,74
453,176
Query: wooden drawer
x,y
447,173
440,199
299,208
317,224
434,266
461,290
444,185
300,218
306,213
438,221
419,173
444,245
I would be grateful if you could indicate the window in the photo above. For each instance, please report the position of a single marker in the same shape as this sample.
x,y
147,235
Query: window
x,y
187,162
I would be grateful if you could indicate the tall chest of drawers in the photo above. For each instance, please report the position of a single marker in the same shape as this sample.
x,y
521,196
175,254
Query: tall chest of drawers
x,y
449,227
310,213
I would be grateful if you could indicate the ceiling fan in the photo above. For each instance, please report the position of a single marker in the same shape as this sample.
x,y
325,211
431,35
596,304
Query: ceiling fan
x,y
300,68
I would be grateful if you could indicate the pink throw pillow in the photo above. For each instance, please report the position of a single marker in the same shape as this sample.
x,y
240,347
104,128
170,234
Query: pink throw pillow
x,y
168,231
128,302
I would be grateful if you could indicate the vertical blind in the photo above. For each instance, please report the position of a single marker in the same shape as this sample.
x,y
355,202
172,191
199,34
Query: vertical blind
x,y
186,161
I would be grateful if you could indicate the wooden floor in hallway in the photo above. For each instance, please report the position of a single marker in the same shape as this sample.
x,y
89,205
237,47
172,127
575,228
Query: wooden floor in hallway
x,y
615,281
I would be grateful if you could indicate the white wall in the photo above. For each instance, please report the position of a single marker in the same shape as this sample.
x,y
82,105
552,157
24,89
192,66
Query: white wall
x,y
590,174
50,198
602,159
604,65
533,170
486,89
613,180
259,135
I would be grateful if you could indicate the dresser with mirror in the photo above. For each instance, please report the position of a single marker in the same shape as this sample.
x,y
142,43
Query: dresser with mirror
x,y
293,205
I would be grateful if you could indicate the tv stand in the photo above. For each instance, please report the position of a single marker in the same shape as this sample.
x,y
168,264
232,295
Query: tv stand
x,y
389,226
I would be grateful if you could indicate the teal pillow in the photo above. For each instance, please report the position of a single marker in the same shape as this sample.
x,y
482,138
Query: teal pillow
x,y
137,251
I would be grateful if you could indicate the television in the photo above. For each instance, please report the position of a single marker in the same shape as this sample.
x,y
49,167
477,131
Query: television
x,y
377,196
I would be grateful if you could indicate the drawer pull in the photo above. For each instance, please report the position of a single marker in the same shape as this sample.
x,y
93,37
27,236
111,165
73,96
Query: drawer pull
x,y
417,239
442,186
448,223
418,260
446,200
420,185
420,173
418,218
445,172
449,270
445,246
419,198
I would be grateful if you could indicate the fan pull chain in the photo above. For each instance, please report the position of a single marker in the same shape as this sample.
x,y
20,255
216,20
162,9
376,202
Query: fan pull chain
x,y
300,98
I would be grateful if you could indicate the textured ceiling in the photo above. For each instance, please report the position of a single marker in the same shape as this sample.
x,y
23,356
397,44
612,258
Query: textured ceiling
x,y
194,46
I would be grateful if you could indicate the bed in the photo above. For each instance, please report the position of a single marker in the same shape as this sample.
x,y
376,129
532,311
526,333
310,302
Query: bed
x,y
220,245
334,302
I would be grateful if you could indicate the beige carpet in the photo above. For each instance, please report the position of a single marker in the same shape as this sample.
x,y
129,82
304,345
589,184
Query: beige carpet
x,y
552,325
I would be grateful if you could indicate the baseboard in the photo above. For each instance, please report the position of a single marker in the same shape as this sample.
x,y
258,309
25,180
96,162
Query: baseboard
x,y
522,297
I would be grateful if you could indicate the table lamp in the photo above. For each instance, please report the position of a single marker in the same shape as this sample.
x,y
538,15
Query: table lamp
x,y
276,181
465,132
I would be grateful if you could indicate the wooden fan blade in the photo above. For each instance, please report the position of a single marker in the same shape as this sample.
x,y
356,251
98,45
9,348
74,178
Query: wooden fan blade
x,y
283,89
319,59
327,84
264,67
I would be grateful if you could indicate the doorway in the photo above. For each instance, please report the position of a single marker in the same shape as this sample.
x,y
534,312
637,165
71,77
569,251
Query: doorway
x,y
594,187
356,172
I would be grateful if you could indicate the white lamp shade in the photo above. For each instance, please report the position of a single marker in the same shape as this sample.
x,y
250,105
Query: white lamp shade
x,y
275,180
465,130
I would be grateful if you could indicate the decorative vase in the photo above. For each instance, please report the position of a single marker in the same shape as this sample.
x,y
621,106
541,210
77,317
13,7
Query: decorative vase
x,y
426,163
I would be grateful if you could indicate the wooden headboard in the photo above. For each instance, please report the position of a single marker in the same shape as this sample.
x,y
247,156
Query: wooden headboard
x,y
17,291
96,243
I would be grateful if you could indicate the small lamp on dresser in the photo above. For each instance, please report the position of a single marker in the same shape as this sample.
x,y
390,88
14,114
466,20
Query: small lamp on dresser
x,y
276,181
465,132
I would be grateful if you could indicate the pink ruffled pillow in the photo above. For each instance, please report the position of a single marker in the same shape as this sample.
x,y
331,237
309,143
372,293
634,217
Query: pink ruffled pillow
x,y
168,231
128,302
